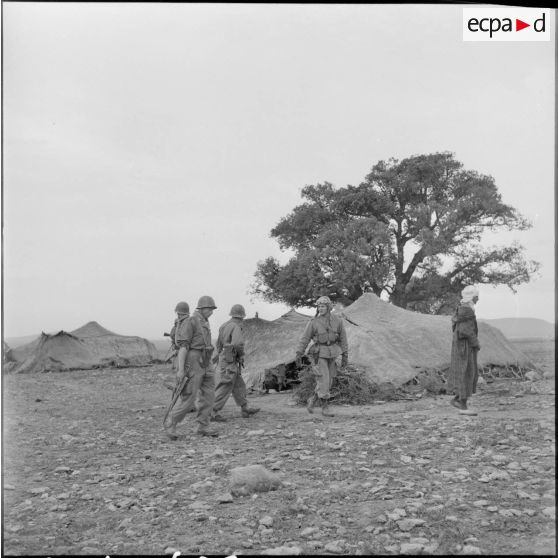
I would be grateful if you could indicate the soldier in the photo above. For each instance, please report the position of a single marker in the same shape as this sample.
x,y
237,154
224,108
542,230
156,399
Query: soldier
x,y
330,340
230,355
182,310
193,339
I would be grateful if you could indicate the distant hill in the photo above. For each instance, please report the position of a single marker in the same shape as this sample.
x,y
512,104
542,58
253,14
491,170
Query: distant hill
x,y
14,342
522,328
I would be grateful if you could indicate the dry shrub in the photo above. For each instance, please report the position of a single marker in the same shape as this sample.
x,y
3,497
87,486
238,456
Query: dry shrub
x,y
351,386
429,380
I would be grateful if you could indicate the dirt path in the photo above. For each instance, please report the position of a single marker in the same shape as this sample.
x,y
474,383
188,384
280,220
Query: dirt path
x,y
88,470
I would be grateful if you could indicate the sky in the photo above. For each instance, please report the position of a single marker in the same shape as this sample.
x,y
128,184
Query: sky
x,y
149,149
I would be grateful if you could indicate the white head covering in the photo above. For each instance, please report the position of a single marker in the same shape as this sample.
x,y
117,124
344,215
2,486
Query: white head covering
x,y
468,293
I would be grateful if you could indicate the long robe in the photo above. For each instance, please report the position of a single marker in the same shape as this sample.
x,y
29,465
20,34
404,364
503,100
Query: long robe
x,y
463,372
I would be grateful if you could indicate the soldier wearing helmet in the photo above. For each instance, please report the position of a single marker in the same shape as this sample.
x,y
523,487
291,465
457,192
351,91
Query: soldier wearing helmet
x,y
230,355
193,339
327,331
182,310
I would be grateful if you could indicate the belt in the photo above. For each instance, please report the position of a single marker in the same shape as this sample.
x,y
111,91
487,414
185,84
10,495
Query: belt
x,y
328,343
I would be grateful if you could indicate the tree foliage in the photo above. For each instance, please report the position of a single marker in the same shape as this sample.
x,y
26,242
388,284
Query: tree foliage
x,y
411,229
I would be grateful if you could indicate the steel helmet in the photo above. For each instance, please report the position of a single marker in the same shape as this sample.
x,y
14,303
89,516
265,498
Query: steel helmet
x,y
237,311
324,300
182,308
206,302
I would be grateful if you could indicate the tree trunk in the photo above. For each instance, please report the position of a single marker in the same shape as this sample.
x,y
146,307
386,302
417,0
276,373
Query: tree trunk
x,y
399,296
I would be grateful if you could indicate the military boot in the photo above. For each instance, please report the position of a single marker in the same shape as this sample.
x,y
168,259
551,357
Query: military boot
x,y
325,407
204,431
311,402
460,404
218,418
249,411
170,430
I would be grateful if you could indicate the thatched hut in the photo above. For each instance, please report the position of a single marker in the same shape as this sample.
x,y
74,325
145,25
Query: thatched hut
x,y
390,343
90,346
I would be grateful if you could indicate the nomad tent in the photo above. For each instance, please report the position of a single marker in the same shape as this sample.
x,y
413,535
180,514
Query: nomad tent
x,y
390,343
90,346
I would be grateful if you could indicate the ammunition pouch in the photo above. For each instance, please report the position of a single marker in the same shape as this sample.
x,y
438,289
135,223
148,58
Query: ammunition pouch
x,y
314,353
205,358
229,353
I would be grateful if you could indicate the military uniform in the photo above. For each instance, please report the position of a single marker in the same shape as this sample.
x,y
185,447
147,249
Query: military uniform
x,y
230,382
330,341
194,334
174,348
230,349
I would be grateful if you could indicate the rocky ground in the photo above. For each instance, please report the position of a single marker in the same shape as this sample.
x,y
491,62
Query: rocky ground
x,y
88,470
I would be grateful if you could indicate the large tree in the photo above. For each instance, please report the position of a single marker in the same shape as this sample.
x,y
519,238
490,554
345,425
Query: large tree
x,y
412,229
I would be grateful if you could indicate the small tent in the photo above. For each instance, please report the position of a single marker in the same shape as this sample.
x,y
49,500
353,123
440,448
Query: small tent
x,y
90,346
390,343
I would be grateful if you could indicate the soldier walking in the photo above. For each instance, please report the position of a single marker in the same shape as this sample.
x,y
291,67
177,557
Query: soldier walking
x,y
182,310
230,355
193,339
330,340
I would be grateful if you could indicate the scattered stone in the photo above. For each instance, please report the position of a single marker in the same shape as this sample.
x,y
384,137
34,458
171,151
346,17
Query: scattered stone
x,y
309,531
283,550
470,550
396,514
9,487
492,509
451,518
39,490
198,506
550,512
226,498
419,540
532,376
481,503
170,550
411,548
336,547
252,478
266,521
62,470
529,512
255,432
408,524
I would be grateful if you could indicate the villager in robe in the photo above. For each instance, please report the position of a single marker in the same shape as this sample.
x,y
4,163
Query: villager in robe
x,y
463,372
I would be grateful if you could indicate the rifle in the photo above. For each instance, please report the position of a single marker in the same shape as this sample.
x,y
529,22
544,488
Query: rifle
x,y
177,391
172,351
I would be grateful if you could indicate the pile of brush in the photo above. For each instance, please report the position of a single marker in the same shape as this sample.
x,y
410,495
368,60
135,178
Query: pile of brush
x,y
351,386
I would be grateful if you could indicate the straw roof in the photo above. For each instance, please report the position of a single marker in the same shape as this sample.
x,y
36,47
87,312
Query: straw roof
x,y
90,346
390,343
